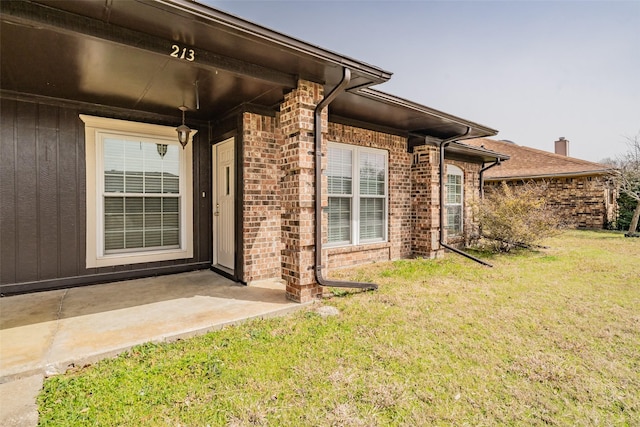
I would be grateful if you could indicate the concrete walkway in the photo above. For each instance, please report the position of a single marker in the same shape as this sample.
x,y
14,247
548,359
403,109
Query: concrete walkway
x,y
48,332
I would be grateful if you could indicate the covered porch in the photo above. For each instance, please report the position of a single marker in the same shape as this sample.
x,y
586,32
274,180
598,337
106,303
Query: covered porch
x,y
250,192
49,332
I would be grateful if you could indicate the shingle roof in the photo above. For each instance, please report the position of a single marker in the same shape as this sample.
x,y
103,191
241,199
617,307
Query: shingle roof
x,y
528,162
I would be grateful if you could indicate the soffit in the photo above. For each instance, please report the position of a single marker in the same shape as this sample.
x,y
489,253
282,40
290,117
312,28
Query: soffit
x,y
117,53
462,150
418,121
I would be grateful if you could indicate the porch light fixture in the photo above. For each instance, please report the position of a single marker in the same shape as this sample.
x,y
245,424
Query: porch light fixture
x,y
183,130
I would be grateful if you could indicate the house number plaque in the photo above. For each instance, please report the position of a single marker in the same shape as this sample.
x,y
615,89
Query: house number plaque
x,y
182,53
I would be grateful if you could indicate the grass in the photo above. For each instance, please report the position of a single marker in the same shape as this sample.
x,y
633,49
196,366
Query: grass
x,y
543,338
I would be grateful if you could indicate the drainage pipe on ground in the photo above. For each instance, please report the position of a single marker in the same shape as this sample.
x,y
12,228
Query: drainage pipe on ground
x,y
317,135
442,146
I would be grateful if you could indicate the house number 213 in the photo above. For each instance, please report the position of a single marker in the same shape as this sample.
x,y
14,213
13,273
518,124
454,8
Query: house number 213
x,y
182,53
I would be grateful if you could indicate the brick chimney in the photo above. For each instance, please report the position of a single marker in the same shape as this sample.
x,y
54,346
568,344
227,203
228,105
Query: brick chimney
x,y
562,146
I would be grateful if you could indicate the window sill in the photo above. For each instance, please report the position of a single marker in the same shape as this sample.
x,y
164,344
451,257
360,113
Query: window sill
x,y
347,249
139,257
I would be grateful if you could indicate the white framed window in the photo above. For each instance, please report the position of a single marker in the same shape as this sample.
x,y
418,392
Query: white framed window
x,y
139,193
357,189
454,200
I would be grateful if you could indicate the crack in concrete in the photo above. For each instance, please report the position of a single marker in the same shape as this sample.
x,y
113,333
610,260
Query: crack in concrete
x,y
50,368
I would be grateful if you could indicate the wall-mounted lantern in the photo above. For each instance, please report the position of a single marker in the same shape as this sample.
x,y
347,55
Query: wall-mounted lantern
x,y
183,130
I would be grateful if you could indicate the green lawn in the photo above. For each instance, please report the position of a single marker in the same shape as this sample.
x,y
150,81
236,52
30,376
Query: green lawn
x,y
543,338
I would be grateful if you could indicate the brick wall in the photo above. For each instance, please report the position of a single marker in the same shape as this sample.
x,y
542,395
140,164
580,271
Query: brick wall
x,y
298,191
348,256
425,201
471,193
425,193
279,193
582,199
399,226
262,193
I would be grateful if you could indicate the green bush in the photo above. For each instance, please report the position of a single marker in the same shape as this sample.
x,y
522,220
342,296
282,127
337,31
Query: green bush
x,y
626,206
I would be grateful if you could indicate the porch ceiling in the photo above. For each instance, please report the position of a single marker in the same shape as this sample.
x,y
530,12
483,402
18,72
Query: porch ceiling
x,y
118,53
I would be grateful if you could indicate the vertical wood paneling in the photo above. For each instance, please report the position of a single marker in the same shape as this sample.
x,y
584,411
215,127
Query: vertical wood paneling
x,y
206,175
68,179
202,178
81,198
206,210
197,194
43,197
8,237
48,214
26,194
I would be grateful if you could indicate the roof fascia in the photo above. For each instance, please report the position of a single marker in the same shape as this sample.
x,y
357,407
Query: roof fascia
x,y
233,22
477,151
405,103
555,175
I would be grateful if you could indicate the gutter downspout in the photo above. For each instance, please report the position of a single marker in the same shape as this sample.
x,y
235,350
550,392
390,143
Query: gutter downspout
x,y
442,146
482,171
317,136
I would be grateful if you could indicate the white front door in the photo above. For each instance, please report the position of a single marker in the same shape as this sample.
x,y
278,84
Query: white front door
x,y
224,205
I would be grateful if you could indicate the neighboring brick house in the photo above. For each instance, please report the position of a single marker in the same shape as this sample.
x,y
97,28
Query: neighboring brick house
x,y
96,187
582,189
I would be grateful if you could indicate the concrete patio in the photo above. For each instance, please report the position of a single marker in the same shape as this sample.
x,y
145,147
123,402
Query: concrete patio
x,y
48,332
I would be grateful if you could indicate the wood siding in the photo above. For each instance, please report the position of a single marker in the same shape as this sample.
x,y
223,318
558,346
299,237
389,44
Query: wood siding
x,y
42,200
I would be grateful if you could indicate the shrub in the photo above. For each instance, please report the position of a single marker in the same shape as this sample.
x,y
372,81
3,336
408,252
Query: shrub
x,y
626,206
510,217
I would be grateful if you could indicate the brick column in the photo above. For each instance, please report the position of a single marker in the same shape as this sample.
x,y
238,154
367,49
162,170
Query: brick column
x,y
400,227
261,231
425,202
298,191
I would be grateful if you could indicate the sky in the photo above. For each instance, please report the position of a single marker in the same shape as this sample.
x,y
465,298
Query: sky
x,y
534,70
